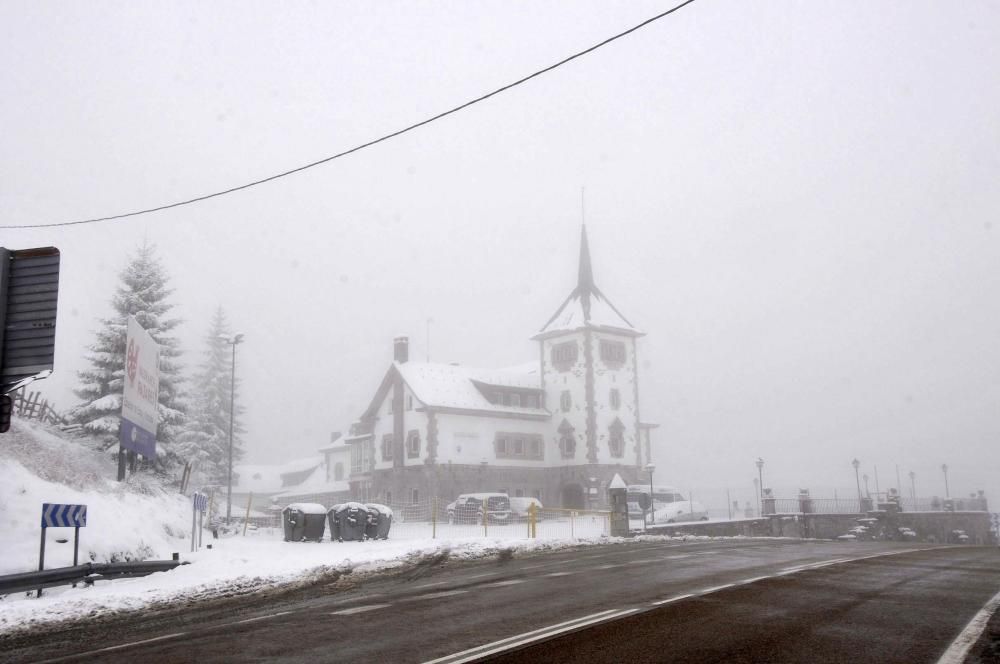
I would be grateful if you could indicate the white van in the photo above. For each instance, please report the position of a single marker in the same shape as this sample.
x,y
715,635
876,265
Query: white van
x,y
668,506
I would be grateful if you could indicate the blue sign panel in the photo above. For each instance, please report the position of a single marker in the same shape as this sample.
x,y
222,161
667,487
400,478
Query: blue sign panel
x,y
55,515
200,502
135,438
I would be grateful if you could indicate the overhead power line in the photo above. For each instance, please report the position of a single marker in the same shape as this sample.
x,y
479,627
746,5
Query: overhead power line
x,y
362,146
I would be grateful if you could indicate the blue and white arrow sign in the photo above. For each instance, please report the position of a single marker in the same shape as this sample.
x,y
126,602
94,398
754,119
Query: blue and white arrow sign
x,y
55,515
200,502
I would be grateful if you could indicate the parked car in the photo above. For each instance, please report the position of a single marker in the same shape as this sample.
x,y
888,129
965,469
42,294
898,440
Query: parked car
x,y
519,507
468,508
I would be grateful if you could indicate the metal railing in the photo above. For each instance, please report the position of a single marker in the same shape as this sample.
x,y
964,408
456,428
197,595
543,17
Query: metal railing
x,y
86,573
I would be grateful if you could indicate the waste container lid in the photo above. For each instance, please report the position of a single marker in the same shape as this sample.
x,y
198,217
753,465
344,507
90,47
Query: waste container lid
x,y
343,506
307,508
378,507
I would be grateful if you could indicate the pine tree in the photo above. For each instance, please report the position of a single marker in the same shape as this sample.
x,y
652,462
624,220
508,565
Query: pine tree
x,y
143,293
205,440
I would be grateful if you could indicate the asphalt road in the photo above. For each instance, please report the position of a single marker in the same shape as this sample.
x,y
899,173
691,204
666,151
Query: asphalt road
x,y
733,600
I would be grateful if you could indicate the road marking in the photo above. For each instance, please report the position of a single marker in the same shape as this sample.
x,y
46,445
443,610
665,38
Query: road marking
x,y
359,609
430,585
559,573
683,555
498,584
714,589
479,576
273,615
443,593
671,599
612,566
959,648
644,561
519,640
113,648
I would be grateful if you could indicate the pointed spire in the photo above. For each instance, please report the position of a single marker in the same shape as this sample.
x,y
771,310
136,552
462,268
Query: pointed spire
x,y
585,279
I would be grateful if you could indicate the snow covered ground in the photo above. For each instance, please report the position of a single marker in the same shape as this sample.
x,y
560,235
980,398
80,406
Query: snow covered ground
x,y
136,520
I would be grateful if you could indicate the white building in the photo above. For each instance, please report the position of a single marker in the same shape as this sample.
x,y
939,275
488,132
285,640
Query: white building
x,y
558,428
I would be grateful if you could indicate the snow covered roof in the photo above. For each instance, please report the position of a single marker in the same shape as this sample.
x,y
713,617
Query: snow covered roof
x,y
586,306
451,386
315,483
261,478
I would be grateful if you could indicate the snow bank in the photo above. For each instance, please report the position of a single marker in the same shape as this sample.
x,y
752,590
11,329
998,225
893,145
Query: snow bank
x,y
125,521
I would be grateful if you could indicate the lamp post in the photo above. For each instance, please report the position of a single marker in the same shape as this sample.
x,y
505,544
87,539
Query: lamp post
x,y
760,477
857,478
868,494
913,488
233,341
944,469
652,513
756,494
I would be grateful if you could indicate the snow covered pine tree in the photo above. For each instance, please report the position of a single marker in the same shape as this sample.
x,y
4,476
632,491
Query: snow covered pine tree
x,y
143,293
205,439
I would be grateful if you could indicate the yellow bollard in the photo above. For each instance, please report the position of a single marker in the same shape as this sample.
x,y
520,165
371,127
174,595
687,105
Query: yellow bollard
x,y
532,520
247,517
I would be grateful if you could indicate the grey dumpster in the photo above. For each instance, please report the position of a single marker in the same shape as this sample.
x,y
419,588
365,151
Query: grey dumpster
x,y
304,521
379,521
352,518
331,516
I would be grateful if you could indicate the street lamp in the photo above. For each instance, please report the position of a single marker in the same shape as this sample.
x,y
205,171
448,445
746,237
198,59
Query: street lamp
x,y
760,476
233,341
857,464
652,513
913,488
868,494
944,469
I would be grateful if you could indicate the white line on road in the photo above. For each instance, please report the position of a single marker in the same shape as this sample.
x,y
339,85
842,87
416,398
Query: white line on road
x,y
671,599
443,593
500,584
113,648
430,585
359,609
612,566
529,637
559,573
959,648
272,615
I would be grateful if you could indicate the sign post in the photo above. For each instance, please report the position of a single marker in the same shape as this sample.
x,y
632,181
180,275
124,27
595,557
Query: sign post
x,y
140,414
55,515
199,502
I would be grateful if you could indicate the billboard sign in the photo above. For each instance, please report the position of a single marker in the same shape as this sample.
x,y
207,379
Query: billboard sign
x,y
142,388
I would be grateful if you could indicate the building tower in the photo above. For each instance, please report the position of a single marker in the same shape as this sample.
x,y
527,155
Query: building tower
x,y
589,375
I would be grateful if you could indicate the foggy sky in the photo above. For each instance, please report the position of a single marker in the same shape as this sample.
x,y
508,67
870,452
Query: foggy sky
x,y
797,201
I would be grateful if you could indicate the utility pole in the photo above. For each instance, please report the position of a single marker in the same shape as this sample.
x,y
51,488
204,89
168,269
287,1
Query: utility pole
x,y
232,341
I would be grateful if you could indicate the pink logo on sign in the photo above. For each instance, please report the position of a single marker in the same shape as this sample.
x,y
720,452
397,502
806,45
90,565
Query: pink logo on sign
x,y
132,360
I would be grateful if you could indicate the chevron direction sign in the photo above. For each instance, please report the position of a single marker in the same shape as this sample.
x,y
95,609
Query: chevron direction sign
x,y
200,502
55,515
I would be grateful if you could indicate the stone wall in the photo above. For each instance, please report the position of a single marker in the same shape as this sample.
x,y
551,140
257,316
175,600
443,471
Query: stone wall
x,y
929,526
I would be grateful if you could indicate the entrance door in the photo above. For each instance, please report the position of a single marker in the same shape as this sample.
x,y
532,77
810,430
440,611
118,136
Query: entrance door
x,y
572,497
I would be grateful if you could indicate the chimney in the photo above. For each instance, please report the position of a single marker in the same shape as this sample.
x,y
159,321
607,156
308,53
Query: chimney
x,y
401,349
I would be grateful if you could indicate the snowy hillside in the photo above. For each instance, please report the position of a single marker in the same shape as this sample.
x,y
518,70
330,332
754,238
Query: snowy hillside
x,y
134,520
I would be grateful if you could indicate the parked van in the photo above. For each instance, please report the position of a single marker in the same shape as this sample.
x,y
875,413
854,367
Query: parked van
x,y
668,505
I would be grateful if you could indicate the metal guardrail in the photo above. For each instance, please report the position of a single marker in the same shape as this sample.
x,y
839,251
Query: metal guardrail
x,y
86,573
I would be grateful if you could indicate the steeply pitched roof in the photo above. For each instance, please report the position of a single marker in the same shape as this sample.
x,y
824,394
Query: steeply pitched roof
x,y
587,306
